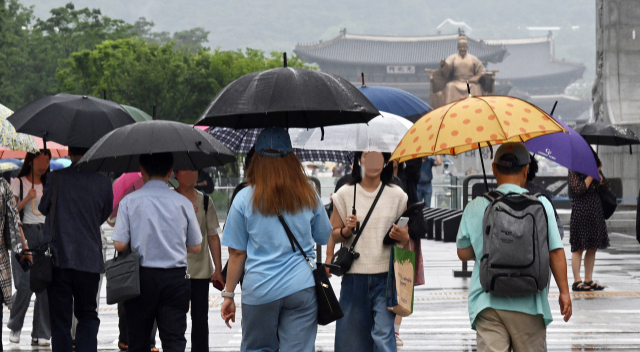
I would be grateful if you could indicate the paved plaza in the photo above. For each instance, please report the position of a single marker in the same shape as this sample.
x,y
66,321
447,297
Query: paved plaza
x,y
603,321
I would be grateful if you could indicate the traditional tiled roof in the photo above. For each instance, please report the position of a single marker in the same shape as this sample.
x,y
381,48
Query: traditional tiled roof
x,y
532,57
387,50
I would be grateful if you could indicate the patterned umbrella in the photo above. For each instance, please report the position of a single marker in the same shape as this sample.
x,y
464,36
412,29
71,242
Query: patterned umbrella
x,y
474,122
11,139
241,141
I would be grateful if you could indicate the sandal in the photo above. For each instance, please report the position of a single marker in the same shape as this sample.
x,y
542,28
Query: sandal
x,y
122,346
580,286
155,349
594,286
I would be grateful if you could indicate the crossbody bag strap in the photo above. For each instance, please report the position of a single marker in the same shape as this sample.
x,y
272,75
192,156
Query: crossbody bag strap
x,y
54,203
293,240
364,223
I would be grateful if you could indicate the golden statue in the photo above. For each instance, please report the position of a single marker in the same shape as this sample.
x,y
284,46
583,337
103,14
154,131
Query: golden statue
x,y
449,83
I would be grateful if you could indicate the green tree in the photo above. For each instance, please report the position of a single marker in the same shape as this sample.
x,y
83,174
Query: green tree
x,y
31,49
143,74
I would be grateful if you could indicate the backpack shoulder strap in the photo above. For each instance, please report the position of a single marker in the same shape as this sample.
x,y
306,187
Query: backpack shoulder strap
x,y
492,195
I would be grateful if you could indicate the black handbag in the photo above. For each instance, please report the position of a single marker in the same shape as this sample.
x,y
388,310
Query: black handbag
x,y
609,201
343,259
123,276
329,309
42,268
417,224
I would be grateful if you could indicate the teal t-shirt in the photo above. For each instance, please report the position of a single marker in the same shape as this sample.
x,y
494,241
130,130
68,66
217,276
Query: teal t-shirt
x,y
470,234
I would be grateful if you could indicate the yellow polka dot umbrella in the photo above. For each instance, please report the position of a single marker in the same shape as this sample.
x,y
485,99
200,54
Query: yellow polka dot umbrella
x,y
474,122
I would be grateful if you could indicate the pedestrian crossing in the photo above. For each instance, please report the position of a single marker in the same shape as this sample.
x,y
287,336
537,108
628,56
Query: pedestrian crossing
x,y
602,321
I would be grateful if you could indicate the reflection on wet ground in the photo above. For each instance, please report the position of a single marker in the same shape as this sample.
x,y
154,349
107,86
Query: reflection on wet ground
x,y
602,321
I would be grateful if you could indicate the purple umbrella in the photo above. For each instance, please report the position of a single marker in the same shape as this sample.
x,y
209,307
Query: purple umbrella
x,y
567,149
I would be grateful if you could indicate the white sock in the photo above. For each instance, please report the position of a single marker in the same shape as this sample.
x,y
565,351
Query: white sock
x,y
396,327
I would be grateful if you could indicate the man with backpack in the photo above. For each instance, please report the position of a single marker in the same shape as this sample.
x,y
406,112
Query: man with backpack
x,y
514,240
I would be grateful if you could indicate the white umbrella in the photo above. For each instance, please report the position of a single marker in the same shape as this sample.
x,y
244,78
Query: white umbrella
x,y
383,134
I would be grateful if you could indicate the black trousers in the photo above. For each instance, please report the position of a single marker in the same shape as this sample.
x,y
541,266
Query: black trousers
x,y
200,315
122,328
164,297
73,292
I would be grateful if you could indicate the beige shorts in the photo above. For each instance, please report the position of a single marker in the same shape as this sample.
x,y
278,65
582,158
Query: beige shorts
x,y
503,330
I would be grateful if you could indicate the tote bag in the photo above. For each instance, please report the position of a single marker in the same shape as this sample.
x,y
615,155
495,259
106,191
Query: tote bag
x,y
400,281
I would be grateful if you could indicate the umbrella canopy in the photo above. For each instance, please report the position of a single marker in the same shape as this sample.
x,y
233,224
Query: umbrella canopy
x,y
382,134
54,165
9,138
57,150
64,161
13,161
474,122
241,141
567,149
605,134
192,148
71,120
137,114
396,101
288,97
4,167
124,185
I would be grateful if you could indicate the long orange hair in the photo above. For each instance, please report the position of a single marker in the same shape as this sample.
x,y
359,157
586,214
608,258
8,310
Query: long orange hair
x,y
280,185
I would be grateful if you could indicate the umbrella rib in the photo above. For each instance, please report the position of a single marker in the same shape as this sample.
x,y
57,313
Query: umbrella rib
x,y
438,135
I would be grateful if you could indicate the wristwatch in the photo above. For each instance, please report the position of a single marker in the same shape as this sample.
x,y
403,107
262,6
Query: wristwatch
x,y
225,294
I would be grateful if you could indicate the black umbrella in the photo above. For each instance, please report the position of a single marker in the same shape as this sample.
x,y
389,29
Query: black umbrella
x,y
71,120
288,97
604,134
192,148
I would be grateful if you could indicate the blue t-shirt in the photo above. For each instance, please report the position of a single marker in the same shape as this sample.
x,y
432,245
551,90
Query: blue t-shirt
x,y
159,223
426,174
470,234
272,269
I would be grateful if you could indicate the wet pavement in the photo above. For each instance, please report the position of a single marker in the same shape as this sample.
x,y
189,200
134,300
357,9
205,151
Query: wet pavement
x,y
602,321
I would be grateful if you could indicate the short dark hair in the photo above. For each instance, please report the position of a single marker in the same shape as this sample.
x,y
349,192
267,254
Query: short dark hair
x,y
505,170
356,174
77,151
595,155
533,169
156,165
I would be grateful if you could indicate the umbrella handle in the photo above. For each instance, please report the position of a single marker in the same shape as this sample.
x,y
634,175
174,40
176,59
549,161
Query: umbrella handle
x,y
33,208
486,184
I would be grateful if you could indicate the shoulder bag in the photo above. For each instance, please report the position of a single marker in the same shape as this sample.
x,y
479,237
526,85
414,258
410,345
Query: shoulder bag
x,y
42,267
123,276
343,259
329,309
609,201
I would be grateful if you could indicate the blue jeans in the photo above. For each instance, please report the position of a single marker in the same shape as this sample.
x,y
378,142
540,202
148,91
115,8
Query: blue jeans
x,y
424,193
292,319
367,324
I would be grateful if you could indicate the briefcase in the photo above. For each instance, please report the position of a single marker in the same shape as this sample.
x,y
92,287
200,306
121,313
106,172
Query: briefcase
x,y
123,277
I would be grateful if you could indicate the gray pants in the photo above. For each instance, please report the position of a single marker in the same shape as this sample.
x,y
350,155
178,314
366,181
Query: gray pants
x,y
293,320
22,296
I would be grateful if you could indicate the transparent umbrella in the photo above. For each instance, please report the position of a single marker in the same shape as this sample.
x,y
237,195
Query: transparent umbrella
x,y
383,134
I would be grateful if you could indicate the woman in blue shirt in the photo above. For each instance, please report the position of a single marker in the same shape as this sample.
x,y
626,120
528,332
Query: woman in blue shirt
x,y
279,308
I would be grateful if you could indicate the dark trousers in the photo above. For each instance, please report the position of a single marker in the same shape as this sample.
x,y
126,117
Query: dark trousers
x,y
164,297
73,292
122,327
200,315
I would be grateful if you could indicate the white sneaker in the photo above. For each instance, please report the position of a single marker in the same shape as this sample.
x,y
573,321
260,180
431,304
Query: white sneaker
x,y
40,342
14,336
398,341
